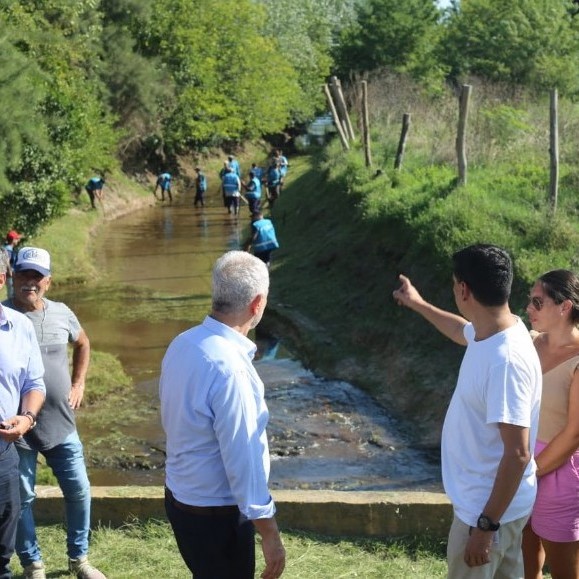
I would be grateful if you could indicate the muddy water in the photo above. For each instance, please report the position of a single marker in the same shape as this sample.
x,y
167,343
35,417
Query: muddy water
x,y
156,267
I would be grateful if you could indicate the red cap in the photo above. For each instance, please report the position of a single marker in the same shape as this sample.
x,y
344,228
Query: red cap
x,y
12,235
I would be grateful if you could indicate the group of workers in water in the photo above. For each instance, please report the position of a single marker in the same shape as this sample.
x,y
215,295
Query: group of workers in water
x,y
235,191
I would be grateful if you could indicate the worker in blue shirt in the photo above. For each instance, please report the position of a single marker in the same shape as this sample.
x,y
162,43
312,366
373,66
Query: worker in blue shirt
x,y
200,187
164,183
94,188
273,179
257,171
253,195
263,239
231,190
234,164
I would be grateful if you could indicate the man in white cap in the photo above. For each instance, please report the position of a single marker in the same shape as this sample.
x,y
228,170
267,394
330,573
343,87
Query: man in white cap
x,y
55,435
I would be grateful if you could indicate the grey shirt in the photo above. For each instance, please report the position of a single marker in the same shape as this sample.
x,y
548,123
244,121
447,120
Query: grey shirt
x,y
55,326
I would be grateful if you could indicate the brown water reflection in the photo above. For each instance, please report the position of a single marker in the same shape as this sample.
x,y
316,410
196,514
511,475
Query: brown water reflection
x,y
156,266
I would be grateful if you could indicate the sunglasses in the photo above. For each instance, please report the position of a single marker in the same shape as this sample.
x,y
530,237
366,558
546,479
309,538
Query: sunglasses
x,y
537,303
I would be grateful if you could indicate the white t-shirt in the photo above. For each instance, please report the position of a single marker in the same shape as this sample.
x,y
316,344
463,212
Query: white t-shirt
x,y
499,381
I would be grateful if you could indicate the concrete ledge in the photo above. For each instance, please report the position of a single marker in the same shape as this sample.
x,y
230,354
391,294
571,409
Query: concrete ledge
x,y
338,513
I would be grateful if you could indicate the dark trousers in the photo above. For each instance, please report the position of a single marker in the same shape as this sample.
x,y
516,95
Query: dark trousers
x,y
9,507
254,204
213,546
265,256
199,198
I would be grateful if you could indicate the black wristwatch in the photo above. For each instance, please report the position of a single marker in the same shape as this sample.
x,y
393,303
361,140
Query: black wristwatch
x,y
32,417
484,523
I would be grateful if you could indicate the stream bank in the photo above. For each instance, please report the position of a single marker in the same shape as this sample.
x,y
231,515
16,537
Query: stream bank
x,y
327,346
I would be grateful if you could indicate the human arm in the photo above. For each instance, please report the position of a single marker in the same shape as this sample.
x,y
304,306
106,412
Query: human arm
x,y
80,362
25,384
565,442
272,547
20,424
449,324
239,425
515,458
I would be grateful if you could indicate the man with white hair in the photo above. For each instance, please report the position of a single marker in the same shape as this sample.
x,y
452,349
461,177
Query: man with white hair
x,y
214,415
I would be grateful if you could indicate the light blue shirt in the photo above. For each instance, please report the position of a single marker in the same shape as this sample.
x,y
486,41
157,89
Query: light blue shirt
x,y
21,368
214,415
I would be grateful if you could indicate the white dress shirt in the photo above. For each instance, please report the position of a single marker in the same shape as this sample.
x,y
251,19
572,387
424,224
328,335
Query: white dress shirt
x,y
214,415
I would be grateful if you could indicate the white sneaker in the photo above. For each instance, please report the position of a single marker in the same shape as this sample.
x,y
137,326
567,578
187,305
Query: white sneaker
x,y
83,569
35,570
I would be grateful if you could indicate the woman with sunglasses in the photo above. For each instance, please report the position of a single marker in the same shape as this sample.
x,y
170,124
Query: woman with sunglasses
x,y
552,534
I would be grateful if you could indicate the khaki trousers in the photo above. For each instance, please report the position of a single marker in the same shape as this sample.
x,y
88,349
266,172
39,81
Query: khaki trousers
x,y
506,557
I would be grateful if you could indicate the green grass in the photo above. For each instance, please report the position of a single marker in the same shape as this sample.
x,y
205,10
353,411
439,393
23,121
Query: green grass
x,y
346,234
148,549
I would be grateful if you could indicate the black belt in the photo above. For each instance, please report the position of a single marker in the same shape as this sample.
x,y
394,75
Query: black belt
x,y
204,511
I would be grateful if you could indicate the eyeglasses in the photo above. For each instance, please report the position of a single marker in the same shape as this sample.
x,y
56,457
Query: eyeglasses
x,y
536,302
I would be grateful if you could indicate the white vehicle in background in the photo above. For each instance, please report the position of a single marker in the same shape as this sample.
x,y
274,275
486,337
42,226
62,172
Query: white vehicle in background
x,y
317,131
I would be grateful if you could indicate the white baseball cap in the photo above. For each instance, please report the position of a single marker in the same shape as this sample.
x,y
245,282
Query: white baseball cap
x,y
33,258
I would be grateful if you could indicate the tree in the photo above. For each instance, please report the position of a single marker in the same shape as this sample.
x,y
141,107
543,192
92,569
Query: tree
x,y
305,32
135,85
524,42
21,91
402,36
60,38
231,83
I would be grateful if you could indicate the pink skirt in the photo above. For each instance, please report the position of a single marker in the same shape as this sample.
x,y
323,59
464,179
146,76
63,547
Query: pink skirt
x,y
555,515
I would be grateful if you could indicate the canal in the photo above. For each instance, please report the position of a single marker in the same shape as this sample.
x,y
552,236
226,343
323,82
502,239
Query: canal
x,y
155,265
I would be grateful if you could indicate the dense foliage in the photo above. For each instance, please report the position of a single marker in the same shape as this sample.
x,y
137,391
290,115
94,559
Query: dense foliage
x,y
86,83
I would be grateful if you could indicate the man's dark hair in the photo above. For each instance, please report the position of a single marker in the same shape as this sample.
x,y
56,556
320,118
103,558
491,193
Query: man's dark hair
x,y
488,272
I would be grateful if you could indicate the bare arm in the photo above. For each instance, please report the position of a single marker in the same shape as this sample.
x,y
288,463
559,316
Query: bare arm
x,y
516,457
566,442
272,547
449,324
80,362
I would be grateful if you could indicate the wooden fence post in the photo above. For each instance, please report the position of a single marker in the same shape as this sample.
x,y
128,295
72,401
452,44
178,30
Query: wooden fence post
x,y
402,142
554,149
336,87
461,133
366,125
337,121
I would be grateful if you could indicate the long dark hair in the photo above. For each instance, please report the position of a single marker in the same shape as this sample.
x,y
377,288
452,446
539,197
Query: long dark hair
x,y
561,285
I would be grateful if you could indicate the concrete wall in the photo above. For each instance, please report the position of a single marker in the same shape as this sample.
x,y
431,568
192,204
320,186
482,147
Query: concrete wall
x,y
338,513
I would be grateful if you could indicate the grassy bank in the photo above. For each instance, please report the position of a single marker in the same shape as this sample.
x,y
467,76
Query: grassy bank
x,y
346,233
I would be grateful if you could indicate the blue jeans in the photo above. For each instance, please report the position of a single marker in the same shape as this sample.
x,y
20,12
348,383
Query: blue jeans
x,y
67,463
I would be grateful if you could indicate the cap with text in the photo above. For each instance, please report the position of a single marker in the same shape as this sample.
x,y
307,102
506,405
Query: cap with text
x,y
33,258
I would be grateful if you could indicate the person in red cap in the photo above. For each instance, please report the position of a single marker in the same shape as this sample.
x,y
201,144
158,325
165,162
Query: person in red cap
x,y
12,240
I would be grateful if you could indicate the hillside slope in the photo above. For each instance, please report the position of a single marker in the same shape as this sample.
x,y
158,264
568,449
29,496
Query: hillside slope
x,y
331,297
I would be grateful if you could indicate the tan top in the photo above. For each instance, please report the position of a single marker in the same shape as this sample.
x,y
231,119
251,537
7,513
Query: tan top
x,y
555,399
